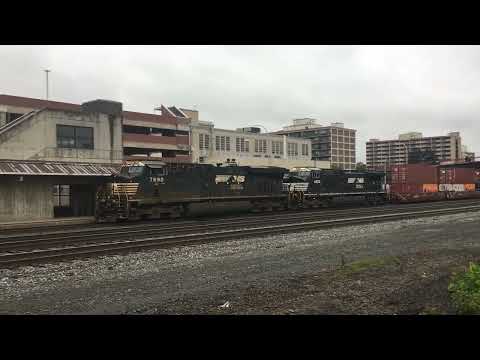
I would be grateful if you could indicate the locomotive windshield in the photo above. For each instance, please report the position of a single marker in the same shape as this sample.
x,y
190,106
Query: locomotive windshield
x,y
135,170
132,171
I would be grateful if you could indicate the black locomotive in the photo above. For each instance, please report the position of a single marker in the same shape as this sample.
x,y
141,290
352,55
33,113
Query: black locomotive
x,y
154,190
313,188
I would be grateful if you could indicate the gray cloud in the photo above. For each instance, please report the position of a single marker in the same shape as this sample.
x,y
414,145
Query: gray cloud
x,y
379,90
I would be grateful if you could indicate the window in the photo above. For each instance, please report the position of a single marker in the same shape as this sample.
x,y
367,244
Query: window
x,y
12,116
222,143
277,147
305,149
292,149
227,143
204,141
61,195
74,137
260,146
242,145
158,171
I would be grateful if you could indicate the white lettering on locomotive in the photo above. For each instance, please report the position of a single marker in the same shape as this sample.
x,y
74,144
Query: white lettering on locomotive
x,y
356,180
157,179
229,179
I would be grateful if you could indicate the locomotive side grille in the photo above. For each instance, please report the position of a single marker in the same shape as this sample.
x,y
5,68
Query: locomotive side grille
x,y
125,188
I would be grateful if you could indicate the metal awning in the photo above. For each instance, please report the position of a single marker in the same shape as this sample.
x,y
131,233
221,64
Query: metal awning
x,y
46,168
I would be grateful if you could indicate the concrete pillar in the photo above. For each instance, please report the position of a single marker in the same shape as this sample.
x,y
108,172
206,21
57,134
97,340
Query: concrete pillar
x,y
284,146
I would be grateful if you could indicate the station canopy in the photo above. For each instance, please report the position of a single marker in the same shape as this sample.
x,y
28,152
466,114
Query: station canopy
x,y
47,168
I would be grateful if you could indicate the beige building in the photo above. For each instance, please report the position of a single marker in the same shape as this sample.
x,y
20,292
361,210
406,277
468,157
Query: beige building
x,y
333,143
52,159
248,147
63,135
382,153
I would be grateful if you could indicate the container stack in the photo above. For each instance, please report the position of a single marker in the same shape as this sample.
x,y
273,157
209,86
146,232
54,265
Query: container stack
x,y
414,182
414,179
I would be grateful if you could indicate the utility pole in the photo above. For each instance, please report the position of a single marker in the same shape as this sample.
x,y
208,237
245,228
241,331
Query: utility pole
x,y
46,73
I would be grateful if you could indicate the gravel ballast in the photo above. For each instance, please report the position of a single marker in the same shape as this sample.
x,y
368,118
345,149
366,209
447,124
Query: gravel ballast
x,y
291,273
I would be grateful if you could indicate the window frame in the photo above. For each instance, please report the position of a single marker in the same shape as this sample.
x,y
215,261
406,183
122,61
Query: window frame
x,y
75,139
58,195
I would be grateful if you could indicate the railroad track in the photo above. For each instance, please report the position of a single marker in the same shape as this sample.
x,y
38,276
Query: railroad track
x,y
17,242
213,232
157,223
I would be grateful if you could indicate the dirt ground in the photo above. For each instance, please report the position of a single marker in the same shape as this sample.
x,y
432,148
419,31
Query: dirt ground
x,y
413,284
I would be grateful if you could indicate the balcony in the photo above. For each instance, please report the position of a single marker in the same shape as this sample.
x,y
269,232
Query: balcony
x,y
175,159
171,142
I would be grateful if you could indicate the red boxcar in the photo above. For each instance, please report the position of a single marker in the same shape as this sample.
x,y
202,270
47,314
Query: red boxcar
x,y
413,174
452,175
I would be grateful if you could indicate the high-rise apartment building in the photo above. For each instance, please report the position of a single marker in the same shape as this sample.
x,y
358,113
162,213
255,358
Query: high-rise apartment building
x,y
381,153
333,143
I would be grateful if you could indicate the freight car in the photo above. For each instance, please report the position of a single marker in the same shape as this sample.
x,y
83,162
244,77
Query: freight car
x,y
421,182
154,190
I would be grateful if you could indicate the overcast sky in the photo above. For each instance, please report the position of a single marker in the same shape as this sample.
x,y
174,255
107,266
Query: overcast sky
x,y
379,90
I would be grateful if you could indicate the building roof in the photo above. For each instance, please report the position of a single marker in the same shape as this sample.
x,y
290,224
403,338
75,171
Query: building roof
x,y
408,140
47,168
36,103
57,105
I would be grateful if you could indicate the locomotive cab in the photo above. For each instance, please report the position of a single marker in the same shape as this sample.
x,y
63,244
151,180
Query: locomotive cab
x,y
116,199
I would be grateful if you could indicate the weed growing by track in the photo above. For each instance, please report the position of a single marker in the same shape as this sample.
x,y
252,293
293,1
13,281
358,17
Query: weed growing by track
x,y
465,290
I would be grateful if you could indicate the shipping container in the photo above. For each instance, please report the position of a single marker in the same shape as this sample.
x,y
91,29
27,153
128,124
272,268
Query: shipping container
x,y
413,174
456,175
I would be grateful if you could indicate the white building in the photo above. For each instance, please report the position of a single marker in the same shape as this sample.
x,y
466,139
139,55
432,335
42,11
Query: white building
x,y
249,147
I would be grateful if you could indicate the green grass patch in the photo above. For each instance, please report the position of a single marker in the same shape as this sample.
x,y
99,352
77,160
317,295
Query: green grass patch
x,y
367,264
465,290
